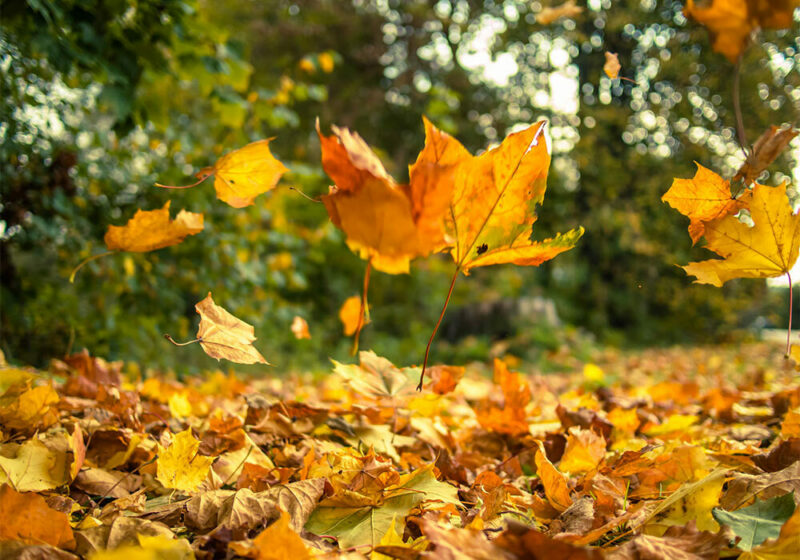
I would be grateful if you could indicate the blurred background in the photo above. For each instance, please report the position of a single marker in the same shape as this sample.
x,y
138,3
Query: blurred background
x,y
102,98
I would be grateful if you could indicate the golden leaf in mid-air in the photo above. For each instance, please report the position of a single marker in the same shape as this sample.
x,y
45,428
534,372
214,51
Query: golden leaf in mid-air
x,y
300,328
492,208
349,314
612,65
731,22
224,336
149,230
566,10
243,174
375,213
767,148
767,249
179,466
703,198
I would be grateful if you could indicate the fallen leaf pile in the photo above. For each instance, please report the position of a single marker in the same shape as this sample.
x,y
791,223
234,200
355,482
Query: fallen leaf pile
x,y
684,453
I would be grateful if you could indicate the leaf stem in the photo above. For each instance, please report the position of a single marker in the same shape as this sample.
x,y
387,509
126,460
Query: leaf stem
x,y
738,109
172,340
304,195
789,332
436,328
202,178
85,261
363,309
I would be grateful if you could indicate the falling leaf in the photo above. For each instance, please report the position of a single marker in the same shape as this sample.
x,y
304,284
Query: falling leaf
x,y
494,198
549,15
349,314
766,250
149,230
766,149
179,466
224,336
731,22
756,523
374,212
27,518
612,65
300,328
704,198
243,174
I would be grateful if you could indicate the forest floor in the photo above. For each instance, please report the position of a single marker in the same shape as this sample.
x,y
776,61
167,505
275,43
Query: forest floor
x,y
661,453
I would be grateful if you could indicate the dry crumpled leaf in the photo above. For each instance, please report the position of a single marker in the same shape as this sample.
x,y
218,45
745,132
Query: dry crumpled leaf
x,y
678,543
149,230
766,250
224,336
767,148
549,15
703,198
179,466
495,194
612,65
375,213
27,518
731,22
744,487
243,174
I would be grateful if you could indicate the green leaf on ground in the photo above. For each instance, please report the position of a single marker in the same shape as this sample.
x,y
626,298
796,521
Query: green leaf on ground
x,y
756,523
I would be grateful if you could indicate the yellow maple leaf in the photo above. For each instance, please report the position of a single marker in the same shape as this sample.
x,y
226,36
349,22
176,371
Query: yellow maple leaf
x,y
149,230
224,336
766,250
179,466
243,174
26,408
33,466
584,451
703,198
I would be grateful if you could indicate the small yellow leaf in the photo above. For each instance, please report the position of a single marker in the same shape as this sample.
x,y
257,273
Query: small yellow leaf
x,y
349,314
242,175
224,336
612,65
149,230
549,15
300,328
584,451
179,466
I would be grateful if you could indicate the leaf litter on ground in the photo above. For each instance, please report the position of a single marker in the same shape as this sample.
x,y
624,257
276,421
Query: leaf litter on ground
x,y
684,452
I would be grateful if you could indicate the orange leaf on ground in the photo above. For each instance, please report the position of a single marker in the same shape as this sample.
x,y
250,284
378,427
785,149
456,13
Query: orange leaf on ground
x,y
555,483
703,198
766,250
27,518
276,542
149,230
507,416
224,336
584,451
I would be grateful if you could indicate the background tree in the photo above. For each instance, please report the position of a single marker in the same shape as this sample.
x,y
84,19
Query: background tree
x,y
104,99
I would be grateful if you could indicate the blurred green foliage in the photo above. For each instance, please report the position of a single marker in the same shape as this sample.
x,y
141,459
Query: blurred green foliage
x,y
102,98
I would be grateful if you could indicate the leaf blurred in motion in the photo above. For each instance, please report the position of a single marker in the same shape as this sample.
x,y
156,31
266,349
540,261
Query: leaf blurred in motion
x,y
149,230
